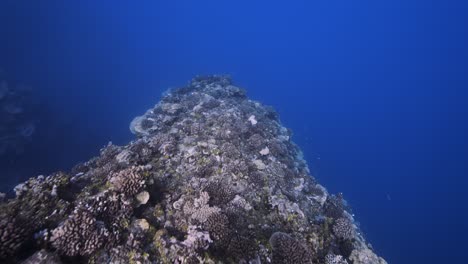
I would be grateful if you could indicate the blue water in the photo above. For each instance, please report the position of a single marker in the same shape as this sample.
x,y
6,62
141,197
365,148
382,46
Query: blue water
x,y
375,92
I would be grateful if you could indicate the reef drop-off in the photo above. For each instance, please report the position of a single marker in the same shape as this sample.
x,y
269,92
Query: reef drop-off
x,y
212,177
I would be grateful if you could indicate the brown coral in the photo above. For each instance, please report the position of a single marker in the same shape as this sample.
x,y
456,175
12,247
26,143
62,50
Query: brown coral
x,y
129,181
287,250
79,235
12,235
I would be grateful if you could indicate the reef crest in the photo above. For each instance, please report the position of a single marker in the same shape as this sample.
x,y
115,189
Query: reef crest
x,y
212,177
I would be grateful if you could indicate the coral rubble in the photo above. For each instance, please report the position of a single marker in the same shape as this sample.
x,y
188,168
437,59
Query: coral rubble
x,y
211,177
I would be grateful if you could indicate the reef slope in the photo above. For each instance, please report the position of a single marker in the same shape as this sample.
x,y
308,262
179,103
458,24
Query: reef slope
x,y
212,177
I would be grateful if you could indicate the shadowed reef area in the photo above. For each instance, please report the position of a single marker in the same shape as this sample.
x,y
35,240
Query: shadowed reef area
x,y
212,177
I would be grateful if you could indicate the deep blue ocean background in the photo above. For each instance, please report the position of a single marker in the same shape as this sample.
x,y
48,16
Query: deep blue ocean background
x,y
376,93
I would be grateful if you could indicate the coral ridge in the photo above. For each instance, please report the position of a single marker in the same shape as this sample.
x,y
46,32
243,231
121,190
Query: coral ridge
x,y
212,177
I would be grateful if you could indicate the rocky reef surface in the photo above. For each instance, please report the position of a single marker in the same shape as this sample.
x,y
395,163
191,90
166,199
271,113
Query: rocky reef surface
x,y
212,177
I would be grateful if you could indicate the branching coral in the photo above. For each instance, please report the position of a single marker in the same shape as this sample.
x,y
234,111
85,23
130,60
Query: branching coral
x,y
335,259
287,250
334,206
79,235
220,193
129,181
38,202
344,228
12,235
199,211
218,227
197,239
112,208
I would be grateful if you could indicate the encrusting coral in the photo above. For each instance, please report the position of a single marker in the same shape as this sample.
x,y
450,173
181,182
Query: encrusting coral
x,y
211,177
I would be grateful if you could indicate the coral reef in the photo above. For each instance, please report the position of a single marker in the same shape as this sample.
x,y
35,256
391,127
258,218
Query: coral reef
x,y
211,177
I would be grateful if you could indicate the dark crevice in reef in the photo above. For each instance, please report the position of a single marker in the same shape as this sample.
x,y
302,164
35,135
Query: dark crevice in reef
x,y
212,176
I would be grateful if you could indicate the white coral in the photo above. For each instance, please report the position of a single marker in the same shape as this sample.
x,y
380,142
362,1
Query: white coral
x,y
252,120
124,156
335,259
265,151
136,126
197,239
